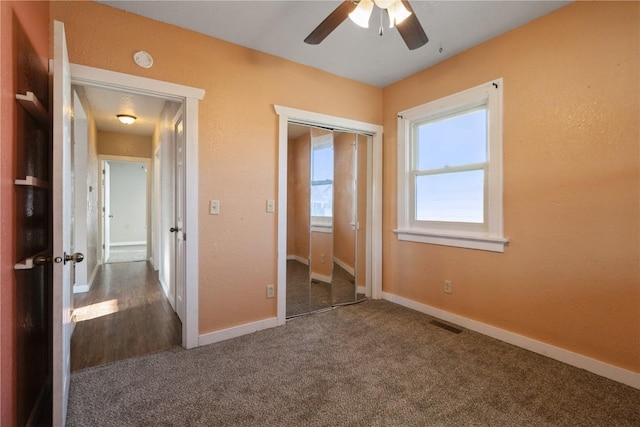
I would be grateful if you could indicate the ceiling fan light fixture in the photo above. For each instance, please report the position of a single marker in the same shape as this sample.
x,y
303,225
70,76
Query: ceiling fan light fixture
x,y
361,14
127,119
397,13
383,4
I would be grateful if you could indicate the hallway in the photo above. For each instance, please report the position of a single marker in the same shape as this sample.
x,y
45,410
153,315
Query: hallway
x,y
124,315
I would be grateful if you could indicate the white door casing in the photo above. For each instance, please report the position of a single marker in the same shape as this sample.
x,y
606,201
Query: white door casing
x,y
80,193
189,97
106,210
61,195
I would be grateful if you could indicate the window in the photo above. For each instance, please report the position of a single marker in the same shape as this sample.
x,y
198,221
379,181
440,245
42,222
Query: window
x,y
450,170
322,180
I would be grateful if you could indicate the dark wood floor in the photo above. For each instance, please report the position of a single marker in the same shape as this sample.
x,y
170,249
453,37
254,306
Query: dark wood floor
x,y
125,314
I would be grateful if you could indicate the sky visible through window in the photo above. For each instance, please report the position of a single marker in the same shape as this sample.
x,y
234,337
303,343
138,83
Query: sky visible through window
x,y
322,181
455,143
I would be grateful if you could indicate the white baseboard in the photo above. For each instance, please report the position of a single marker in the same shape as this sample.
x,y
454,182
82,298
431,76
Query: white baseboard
x,y
361,290
345,266
132,243
304,261
237,331
597,367
321,277
81,288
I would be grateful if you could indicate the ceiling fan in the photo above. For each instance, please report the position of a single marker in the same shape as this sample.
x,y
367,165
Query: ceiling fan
x,y
400,15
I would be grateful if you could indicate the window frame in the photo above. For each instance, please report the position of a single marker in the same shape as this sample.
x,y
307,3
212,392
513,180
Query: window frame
x,y
486,236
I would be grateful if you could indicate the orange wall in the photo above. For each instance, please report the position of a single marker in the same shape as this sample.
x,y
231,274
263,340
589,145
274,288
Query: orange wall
x,y
570,275
344,236
237,134
321,255
34,19
124,144
298,197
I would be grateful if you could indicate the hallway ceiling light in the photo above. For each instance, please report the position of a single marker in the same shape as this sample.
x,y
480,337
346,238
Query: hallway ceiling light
x,y
127,119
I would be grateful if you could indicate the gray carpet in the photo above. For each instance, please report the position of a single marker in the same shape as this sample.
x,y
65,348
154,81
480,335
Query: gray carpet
x,y
369,364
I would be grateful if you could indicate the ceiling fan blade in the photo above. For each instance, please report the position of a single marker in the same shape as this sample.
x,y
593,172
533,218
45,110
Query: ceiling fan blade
x,y
411,30
330,23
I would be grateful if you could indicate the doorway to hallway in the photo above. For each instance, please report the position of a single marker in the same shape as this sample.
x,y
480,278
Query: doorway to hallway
x,y
127,309
124,315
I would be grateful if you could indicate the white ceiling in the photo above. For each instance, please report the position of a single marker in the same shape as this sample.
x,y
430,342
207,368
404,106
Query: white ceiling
x,y
279,28
107,103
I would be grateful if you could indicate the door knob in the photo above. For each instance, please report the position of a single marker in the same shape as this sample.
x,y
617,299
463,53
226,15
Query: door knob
x,y
174,229
77,257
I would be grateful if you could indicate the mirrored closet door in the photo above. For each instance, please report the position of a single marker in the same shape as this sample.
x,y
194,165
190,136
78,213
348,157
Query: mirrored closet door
x,y
326,218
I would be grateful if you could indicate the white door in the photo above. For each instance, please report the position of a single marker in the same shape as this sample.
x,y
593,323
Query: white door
x,y
179,231
106,210
61,194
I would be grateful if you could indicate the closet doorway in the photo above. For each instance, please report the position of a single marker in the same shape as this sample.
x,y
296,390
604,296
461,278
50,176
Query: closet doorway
x,y
327,218
367,245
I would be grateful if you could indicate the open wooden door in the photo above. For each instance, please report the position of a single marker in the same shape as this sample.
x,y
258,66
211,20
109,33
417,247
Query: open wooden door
x,y
61,195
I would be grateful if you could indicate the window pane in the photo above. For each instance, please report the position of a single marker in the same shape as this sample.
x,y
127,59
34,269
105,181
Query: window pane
x,y
451,197
453,141
322,200
322,163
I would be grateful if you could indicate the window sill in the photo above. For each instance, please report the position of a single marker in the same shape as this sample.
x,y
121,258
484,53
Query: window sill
x,y
460,240
322,228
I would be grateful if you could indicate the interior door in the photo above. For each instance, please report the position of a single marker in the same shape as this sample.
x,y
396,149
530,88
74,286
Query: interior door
x,y
61,195
179,231
106,210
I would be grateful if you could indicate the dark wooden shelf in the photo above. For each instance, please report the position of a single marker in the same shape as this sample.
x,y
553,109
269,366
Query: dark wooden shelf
x,y
32,181
32,104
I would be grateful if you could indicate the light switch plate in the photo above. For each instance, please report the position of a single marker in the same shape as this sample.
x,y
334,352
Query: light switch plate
x,y
271,206
214,207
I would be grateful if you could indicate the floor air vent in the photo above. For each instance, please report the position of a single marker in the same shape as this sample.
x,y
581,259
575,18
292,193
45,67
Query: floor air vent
x,y
445,326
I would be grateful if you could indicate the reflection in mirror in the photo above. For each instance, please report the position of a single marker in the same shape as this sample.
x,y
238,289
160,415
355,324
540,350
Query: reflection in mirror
x,y
349,218
298,226
326,218
321,200
344,240
363,172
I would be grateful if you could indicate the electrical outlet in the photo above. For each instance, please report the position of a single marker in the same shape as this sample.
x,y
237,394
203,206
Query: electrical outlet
x,y
270,291
447,286
322,259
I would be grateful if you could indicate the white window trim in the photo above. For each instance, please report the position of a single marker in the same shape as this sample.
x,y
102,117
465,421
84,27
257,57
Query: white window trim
x,y
491,239
319,228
